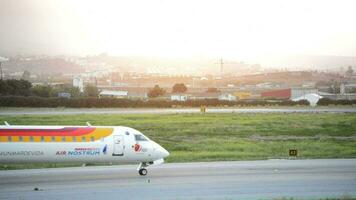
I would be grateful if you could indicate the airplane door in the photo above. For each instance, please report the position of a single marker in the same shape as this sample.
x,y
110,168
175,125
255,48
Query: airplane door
x,y
118,145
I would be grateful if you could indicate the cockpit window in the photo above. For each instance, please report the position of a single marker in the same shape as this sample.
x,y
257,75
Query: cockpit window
x,y
140,138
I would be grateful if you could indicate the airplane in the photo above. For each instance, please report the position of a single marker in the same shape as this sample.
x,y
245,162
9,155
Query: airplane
x,y
79,144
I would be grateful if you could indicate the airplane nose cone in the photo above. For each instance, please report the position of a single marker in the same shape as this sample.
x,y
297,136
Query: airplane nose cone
x,y
160,151
164,152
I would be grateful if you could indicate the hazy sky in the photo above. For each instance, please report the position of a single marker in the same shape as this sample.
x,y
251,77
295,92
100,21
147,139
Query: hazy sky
x,y
176,28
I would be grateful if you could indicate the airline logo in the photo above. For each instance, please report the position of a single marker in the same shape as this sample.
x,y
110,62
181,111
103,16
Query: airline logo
x,y
137,148
80,152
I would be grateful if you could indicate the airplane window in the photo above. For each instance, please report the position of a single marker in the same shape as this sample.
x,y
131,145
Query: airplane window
x,y
42,139
74,139
63,139
140,138
31,138
53,139
9,138
20,138
83,139
92,138
127,133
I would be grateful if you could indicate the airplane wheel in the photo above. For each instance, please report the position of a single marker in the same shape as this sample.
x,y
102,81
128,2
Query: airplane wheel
x,y
143,172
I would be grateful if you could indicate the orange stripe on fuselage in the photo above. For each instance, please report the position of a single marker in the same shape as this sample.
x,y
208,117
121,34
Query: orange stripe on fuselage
x,y
67,131
68,134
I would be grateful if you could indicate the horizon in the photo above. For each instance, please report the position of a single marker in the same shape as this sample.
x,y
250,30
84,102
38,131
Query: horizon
x,y
203,65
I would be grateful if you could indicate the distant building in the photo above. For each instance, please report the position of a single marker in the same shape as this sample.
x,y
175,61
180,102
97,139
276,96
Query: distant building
x,y
277,94
299,92
346,96
308,84
113,94
265,85
290,93
137,95
204,95
348,88
227,97
79,83
179,97
243,95
132,92
311,98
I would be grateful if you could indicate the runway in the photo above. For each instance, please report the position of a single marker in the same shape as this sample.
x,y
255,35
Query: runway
x,y
215,180
74,111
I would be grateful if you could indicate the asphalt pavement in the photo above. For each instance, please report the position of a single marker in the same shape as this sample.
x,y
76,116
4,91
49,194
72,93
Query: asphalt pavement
x,y
268,179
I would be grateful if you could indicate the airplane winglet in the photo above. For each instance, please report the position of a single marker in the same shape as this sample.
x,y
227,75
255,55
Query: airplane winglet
x,y
7,124
88,124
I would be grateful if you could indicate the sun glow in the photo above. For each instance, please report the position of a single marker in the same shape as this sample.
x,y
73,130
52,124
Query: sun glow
x,y
201,27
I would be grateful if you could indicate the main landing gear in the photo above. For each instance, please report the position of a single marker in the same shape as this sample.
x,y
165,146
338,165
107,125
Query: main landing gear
x,y
142,168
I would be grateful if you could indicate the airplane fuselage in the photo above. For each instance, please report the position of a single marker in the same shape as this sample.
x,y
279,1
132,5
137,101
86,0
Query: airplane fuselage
x,y
83,144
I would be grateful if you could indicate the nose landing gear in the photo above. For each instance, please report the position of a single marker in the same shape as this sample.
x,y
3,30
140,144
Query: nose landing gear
x,y
142,172
142,169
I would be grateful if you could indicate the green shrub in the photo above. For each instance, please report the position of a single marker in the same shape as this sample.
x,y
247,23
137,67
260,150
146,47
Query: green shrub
x,y
92,102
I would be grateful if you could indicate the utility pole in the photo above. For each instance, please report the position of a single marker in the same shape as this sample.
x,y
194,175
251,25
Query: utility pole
x,y
221,67
221,63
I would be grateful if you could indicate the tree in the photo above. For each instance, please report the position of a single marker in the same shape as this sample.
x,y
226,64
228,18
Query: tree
x,y
15,87
349,72
42,90
213,90
73,91
334,87
26,75
179,88
352,90
4,88
156,91
91,91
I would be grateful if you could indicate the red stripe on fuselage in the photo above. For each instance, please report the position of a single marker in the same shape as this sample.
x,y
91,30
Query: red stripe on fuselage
x,y
67,131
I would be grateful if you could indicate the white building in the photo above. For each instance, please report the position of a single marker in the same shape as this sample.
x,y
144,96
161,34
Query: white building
x,y
79,83
300,92
114,94
227,97
179,97
311,98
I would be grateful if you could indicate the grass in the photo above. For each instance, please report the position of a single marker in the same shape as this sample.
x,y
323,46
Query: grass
x,y
217,137
345,197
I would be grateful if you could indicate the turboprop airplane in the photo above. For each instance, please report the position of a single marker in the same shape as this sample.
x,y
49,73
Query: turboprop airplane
x,y
81,144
